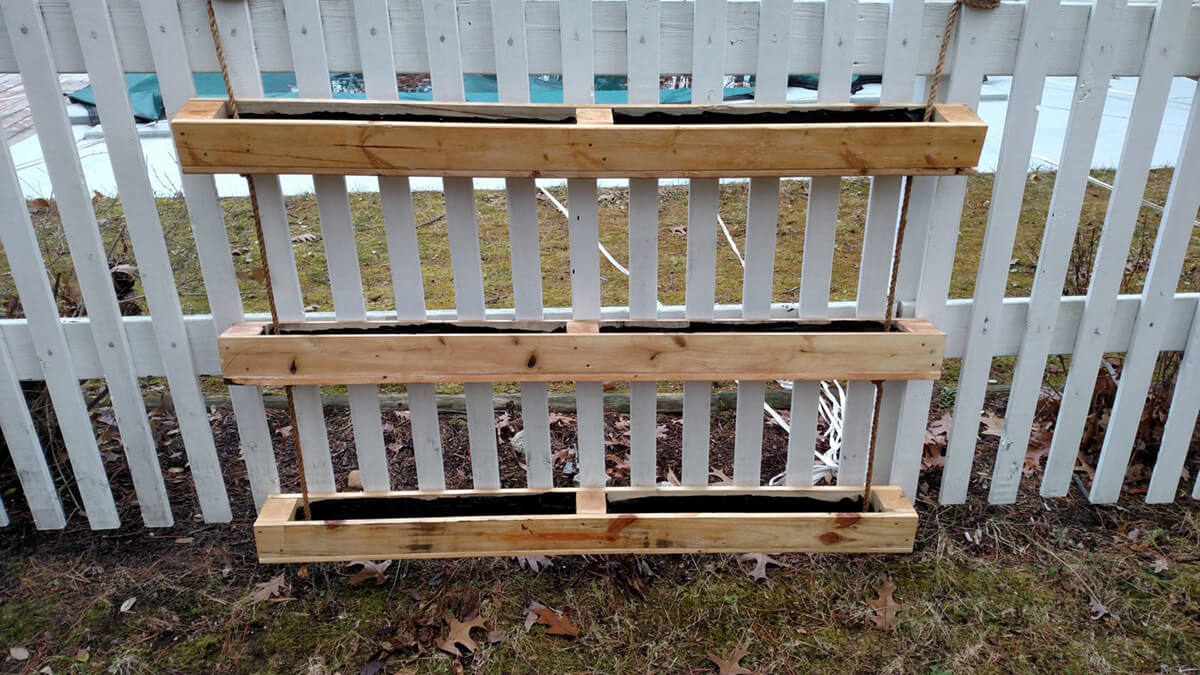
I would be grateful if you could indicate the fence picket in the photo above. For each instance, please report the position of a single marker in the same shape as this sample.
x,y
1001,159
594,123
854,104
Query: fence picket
x,y
237,39
54,357
762,216
512,79
154,266
20,435
1145,120
1166,262
973,39
708,81
899,78
575,22
643,44
400,231
441,20
1008,191
338,238
28,35
1066,203
212,246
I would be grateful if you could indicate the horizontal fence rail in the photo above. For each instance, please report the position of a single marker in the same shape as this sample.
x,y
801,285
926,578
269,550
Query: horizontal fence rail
x,y
705,40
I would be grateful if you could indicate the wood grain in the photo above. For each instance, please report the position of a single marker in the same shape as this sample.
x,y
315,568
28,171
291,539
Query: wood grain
x,y
283,539
310,358
209,142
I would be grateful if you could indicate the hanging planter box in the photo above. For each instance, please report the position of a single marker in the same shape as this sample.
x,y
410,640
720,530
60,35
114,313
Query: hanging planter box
x,y
295,136
454,523
333,352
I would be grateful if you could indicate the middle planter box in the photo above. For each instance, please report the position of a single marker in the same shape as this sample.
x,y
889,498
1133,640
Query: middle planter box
x,y
338,352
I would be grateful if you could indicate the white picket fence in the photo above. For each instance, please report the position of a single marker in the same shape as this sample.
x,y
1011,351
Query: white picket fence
x,y
579,39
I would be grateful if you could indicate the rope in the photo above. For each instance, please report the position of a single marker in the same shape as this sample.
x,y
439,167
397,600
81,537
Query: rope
x,y
266,263
902,225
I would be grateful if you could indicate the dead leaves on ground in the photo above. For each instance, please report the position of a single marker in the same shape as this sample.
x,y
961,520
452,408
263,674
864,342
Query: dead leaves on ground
x,y
761,560
370,570
272,588
731,665
884,607
556,622
460,635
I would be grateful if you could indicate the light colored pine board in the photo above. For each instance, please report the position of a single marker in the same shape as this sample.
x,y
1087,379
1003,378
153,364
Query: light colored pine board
x,y
544,55
1008,192
153,263
87,252
1181,423
216,144
1145,120
1066,203
889,527
1166,262
52,356
25,449
974,34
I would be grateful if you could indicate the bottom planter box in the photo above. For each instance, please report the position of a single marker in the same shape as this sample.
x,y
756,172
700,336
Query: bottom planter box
x,y
561,521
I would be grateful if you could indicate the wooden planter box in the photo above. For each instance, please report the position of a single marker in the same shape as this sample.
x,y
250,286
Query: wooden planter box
x,y
563,521
280,136
331,352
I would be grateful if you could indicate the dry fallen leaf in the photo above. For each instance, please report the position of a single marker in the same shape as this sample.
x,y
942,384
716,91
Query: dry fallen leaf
x,y
730,666
18,653
460,635
1160,565
555,621
128,604
533,562
761,560
993,424
370,570
268,589
885,607
82,655
531,617
354,480
1099,611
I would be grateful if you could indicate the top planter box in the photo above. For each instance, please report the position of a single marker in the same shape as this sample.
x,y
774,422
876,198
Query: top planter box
x,y
281,136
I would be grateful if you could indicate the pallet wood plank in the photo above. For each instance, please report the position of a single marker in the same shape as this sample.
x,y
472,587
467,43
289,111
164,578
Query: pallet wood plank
x,y
208,144
890,527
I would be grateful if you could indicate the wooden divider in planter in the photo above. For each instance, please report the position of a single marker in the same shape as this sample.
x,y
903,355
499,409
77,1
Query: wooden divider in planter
x,y
717,519
622,141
